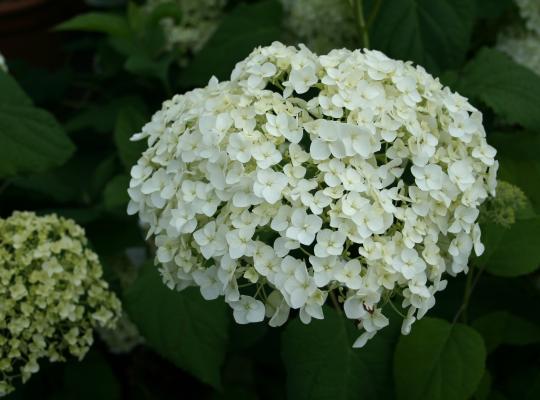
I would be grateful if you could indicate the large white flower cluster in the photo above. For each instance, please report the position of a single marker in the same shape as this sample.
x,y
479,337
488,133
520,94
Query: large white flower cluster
x,y
321,24
199,20
522,41
349,174
52,294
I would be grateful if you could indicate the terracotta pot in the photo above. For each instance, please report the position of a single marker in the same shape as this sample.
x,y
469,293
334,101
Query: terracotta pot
x,y
25,29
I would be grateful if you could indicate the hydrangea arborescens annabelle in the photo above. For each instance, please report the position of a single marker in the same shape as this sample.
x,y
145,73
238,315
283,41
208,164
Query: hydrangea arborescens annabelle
x,y
200,18
309,21
348,172
52,295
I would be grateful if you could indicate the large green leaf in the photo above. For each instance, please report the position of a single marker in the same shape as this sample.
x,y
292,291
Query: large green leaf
x,y
524,384
512,251
439,361
100,22
244,28
432,33
512,91
322,364
130,120
501,327
91,379
181,326
115,195
31,140
517,153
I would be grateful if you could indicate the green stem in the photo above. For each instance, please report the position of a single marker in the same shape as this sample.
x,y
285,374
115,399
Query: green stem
x,y
359,5
373,13
467,296
335,301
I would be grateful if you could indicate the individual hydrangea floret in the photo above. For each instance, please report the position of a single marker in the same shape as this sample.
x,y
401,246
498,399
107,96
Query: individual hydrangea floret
x,y
348,175
52,294
310,21
504,208
199,20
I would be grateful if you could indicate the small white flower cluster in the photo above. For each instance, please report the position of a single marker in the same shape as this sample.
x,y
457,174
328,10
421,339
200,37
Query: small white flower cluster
x,y
3,65
530,12
123,338
52,294
199,20
522,42
321,24
349,174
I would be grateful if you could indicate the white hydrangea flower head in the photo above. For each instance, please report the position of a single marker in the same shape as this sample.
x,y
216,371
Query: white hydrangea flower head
x,y
321,24
530,12
52,294
200,19
306,176
3,65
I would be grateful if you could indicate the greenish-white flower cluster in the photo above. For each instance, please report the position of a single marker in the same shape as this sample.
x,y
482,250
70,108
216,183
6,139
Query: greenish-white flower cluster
x,y
349,174
522,42
199,20
503,208
322,25
52,294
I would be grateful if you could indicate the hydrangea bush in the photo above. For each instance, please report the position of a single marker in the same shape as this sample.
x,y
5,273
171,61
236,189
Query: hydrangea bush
x,y
52,294
348,175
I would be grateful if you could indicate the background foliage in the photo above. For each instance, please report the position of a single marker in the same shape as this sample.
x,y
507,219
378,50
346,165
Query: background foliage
x,y
64,148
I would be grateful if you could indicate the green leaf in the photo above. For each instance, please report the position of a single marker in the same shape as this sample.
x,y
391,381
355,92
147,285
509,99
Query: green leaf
x,y
130,120
517,153
181,326
111,24
434,34
484,387
244,28
90,379
512,251
322,364
511,90
31,140
115,196
524,384
492,8
501,327
439,361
